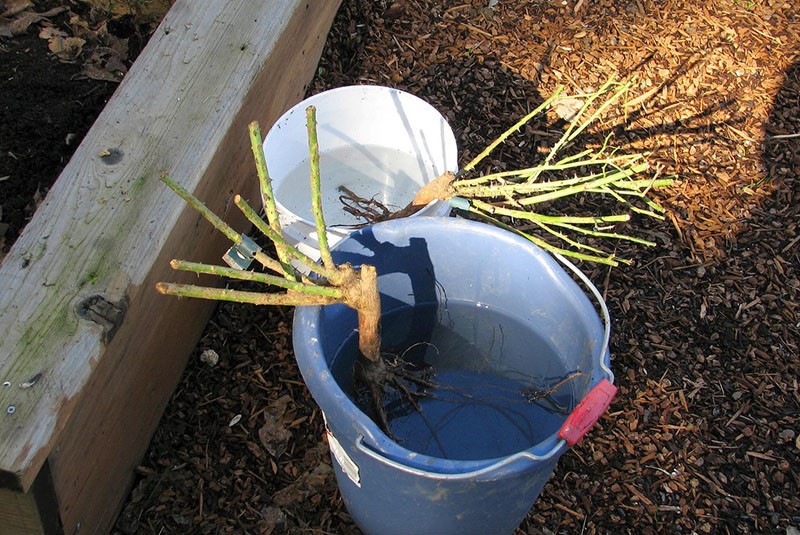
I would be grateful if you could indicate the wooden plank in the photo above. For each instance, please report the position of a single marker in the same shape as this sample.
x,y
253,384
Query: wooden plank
x,y
30,513
89,351
19,513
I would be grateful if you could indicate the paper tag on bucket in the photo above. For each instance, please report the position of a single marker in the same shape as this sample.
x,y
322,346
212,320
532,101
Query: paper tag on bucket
x,y
347,465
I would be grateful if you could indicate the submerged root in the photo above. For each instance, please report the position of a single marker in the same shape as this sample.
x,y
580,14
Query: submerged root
x,y
385,383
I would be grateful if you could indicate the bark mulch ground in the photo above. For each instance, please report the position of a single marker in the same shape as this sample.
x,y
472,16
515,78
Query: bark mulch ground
x,y
704,435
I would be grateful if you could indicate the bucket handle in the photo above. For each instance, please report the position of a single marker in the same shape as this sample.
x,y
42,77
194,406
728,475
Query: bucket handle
x,y
369,452
595,403
603,309
578,423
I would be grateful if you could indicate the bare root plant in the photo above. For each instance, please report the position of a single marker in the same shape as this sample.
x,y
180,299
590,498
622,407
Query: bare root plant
x,y
511,194
328,283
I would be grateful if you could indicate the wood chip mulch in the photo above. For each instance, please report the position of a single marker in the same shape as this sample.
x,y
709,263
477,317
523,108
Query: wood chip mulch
x,y
704,436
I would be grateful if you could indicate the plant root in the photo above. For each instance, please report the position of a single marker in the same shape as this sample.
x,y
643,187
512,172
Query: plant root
x,y
370,210
390,382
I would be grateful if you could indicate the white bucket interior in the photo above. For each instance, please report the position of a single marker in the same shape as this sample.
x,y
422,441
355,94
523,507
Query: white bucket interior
x,y
379,142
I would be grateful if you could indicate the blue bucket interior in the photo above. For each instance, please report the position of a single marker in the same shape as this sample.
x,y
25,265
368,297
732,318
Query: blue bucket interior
x,y
532,327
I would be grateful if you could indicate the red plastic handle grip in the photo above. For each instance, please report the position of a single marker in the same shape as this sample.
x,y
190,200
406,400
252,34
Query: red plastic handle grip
x,y
587,412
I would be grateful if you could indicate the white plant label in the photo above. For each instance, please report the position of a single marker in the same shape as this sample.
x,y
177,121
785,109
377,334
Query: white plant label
x,y
347,465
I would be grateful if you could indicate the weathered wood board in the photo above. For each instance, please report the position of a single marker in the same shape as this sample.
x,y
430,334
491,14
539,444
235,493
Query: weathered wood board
x,y
89,352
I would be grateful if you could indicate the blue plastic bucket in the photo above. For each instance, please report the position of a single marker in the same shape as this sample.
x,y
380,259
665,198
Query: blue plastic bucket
x,y
428,266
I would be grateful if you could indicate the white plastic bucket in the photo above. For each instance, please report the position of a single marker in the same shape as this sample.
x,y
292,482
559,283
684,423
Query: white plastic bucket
x,y
379,142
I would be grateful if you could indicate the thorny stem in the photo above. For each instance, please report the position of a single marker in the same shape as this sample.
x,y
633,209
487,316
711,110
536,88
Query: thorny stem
x,y
316,194
493,145
357,289
239,296
517,180
647,184
252,276
270,207
574,127
567,239
532,216
608,260
202,209
517,193
290,250
600,234
218,223
583,187
656,211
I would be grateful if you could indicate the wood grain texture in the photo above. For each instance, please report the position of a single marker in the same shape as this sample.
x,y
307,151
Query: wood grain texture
x,y
90,351
19,513
34,512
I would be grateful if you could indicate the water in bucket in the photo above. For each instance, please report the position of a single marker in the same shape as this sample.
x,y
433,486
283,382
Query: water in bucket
x,y
387,175
482,406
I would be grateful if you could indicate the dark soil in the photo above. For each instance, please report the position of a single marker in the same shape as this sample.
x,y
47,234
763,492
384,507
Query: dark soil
x,y
49,103
45,111
704,434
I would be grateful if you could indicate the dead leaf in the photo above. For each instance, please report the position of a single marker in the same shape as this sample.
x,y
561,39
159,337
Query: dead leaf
x,y
98,73
306,485
67,49
139,10
54,11
273,519
48,32
274,436
289,495
22,22
119,46
81,27
279,406
567,108
14,7
114,65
